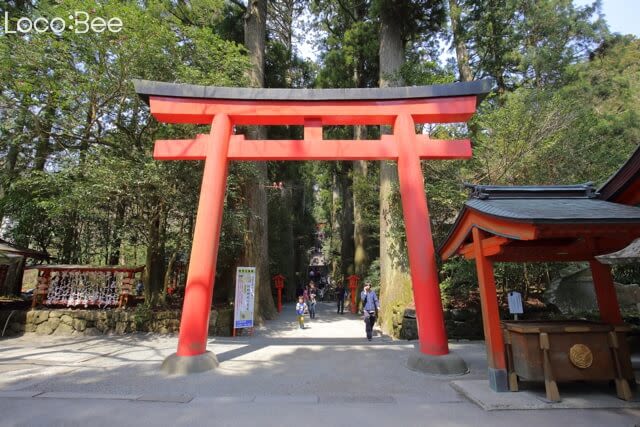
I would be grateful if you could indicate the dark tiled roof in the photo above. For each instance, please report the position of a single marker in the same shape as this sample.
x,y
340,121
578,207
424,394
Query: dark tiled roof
x,y
15,249
548,204
556,210
585,190
146,88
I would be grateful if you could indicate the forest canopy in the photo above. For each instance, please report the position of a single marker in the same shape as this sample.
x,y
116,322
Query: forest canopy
x,y
78,180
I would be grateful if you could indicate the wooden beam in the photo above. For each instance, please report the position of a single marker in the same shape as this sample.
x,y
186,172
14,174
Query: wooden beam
x,y
312,149
201,111
489,301
312,129
181,149
490,246
605,293
512,230
490,316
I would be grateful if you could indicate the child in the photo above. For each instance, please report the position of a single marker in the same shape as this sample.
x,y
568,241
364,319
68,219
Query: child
x,y
301,307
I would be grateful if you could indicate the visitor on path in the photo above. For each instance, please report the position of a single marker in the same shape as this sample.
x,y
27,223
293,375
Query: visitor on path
x,y
301,307
340,293
370,307
312,300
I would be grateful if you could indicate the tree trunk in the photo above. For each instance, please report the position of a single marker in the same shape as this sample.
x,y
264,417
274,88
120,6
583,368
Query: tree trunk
x,y
255,28
169,272
360,258
44,127
71,247
462,54
256,250
346,226
256,243
392,279
154,273
289,245
335,242
116,238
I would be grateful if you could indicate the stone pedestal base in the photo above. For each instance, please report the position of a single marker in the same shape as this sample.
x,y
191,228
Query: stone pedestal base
x,y
449,364
184,365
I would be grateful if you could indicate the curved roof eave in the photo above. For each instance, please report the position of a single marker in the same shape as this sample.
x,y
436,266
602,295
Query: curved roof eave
x,y
147,88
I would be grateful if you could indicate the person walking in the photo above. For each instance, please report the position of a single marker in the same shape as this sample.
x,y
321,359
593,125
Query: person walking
x,y
340,293
301,307
312,300
370,307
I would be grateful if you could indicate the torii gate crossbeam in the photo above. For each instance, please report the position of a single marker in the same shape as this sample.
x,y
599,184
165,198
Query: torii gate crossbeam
x,y
225,107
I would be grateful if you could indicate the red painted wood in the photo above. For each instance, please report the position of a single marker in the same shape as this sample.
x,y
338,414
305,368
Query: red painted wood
x,y
422,261
68,268
279,285
497,226
319,149
540,242
489,302
312,129
490,246
220,146
201,111
605,293
631,195
194,325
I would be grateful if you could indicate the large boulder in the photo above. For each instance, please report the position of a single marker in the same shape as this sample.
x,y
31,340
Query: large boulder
x,y
573,292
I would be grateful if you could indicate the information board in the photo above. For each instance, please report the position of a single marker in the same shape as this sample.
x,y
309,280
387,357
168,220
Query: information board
x,y
245,293
515,302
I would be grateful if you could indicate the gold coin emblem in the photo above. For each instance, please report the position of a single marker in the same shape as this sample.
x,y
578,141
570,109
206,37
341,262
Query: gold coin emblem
x,y
580,355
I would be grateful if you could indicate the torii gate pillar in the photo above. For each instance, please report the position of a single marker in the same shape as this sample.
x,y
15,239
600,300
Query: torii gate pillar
x,y
225,107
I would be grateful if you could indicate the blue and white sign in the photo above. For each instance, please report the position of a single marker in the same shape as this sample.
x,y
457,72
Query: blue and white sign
x,y
245,297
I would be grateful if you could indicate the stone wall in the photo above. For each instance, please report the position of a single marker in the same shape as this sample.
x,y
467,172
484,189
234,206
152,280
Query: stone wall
x,y
460,324
103,322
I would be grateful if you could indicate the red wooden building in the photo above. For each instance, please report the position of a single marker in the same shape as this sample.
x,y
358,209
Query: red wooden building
x,y
545,223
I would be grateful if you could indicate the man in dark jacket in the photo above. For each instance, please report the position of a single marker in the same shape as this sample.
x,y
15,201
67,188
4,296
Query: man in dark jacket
x,y
340,291
370,307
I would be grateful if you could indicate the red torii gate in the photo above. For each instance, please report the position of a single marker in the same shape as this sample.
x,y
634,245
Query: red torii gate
x,y
223,108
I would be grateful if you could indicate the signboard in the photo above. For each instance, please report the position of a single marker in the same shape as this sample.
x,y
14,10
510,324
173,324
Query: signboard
x,y
245,293
515,303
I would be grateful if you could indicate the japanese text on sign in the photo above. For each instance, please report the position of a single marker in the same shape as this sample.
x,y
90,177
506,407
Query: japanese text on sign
x,y
245,293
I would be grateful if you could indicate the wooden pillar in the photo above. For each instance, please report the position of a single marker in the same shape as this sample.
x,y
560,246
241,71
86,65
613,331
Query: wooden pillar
x,y
194,325
605,293
490,316
422,261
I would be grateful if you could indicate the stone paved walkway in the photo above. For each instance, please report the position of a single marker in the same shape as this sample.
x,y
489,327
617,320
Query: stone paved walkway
x,y
326,374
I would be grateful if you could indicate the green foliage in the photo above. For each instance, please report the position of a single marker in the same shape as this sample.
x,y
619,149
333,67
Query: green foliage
x,y
527,42
419,21
142,316
76,141
627,273
78,179
582,131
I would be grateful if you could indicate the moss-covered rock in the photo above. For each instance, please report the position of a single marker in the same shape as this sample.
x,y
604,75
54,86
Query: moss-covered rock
x,y
64,329
44,329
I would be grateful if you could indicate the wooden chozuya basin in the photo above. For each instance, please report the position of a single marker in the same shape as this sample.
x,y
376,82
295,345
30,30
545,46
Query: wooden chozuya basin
x,y
564,351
